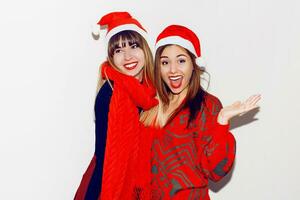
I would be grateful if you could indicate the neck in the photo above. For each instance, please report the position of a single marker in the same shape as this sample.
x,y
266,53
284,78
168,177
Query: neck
x,y
166,111
176,99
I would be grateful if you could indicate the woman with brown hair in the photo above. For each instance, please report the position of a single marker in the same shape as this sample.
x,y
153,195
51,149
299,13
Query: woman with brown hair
x,y
191,142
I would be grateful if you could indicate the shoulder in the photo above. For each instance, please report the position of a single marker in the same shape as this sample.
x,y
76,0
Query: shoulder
x,y
211,99
105,90
212,103
103,100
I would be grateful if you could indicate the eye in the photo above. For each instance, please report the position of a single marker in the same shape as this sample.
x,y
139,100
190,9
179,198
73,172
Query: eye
x,y
117,50
134,46
164,62
181,60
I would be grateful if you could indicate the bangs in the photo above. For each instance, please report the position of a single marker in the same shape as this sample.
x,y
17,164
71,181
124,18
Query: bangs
x,y
131,36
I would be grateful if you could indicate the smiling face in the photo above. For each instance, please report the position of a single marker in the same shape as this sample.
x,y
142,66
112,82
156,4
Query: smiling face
x,y
129,52
129,58
176,68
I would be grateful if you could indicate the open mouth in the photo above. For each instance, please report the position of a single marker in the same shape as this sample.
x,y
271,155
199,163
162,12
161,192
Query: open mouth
x,y
130,66
176,81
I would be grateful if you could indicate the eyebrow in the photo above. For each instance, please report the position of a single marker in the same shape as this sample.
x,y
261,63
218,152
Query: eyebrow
x,y
176,56
124,44
181,55
163,56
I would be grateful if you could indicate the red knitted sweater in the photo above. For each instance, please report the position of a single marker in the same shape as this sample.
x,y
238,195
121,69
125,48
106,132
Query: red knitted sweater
x,y
183,159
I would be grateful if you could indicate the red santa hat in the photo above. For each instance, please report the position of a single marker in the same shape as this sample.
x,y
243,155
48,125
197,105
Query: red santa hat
x,y
116,22
184,37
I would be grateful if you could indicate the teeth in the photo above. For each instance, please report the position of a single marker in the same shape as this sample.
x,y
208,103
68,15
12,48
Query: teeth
x,y
130,65
174,78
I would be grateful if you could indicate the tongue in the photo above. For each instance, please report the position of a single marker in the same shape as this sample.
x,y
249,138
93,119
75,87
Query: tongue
x,y
176,83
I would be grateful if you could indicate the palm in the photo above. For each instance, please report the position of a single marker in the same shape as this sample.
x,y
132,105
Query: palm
x,y
238,108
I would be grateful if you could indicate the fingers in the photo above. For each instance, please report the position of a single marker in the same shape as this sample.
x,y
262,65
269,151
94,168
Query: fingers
x,y
251,102
250,99
255,99
239,108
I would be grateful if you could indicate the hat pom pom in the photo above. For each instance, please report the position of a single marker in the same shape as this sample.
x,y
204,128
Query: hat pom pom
x,y
200,61
95,31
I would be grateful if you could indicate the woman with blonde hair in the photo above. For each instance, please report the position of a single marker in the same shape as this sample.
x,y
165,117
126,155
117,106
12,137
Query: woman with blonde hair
x,y
116,170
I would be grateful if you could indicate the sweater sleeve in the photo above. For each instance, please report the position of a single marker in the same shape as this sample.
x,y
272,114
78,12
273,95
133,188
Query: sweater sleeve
x,y
218,152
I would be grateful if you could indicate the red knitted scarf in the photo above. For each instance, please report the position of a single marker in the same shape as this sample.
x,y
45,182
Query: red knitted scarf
x,y
126,171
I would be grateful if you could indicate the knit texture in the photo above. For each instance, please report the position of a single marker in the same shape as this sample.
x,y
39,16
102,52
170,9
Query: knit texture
x,y
183,159
124,172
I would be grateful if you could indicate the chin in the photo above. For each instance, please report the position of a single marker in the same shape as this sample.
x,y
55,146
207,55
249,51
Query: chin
x,y
176,91
131,73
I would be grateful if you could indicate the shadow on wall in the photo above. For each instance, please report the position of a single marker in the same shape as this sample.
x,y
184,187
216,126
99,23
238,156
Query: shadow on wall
x,y
234,123
245,119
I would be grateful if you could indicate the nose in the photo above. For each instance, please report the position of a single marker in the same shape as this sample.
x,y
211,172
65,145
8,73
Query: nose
x,y
128,54
173,67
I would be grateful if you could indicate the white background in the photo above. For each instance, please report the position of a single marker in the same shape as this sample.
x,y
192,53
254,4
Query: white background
x,y
48,73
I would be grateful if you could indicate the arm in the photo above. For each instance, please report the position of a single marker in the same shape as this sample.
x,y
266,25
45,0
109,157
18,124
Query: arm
x,y
219,152
218,149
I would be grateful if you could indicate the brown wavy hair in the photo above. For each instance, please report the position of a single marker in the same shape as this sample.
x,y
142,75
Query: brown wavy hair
x,y
195,94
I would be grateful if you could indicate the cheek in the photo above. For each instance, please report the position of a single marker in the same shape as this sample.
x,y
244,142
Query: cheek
x,y
163,73
189,73
140,55
117,59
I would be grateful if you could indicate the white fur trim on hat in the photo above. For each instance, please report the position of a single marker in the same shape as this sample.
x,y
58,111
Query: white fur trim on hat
x,y
178,41
200,61
126,27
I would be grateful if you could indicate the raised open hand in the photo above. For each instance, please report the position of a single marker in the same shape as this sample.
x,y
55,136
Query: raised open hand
x,y
237,108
